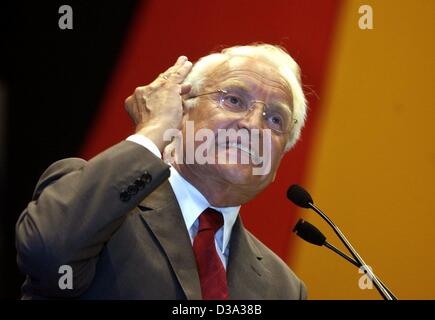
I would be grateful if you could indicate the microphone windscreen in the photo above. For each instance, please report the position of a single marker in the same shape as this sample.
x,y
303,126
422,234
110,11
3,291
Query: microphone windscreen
x,y
299,196
309,233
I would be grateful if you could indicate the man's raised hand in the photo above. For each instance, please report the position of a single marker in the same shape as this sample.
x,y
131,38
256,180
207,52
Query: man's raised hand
x,y
158,106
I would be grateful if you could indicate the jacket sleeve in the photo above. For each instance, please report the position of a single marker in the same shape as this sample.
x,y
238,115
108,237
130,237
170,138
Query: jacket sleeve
x,y
76,206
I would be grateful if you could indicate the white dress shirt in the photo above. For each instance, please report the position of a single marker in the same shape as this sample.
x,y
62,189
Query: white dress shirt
x,y
192,203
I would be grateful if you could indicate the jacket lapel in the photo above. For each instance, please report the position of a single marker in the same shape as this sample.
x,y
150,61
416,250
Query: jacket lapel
x,y
161,213
246,274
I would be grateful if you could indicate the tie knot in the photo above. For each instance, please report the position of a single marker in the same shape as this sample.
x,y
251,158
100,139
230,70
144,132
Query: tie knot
x,y
210,219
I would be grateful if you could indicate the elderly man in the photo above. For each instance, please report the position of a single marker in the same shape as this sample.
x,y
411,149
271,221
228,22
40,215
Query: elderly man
x,y
136,223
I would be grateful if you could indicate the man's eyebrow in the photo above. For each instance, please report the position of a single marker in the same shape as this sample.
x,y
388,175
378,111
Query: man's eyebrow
x,y
246,90
237,85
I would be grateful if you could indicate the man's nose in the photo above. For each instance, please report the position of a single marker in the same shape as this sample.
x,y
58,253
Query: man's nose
x,y
254,118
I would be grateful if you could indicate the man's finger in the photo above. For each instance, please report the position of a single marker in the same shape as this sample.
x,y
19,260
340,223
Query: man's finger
x,y
181,74
181,60
179,63
175,74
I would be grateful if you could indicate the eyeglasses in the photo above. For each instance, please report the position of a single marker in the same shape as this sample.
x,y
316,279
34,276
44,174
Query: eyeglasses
x,y
276,117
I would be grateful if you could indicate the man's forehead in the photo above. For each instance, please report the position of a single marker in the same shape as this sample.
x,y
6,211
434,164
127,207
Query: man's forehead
x,y
258,71
250,64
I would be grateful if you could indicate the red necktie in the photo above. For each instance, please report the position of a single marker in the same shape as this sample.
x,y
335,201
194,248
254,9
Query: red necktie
x,y
212,275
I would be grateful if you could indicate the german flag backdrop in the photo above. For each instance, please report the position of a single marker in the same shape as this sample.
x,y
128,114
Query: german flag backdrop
x,y
367,153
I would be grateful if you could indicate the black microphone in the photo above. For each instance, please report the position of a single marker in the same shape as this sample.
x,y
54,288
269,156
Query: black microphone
x,y
311,234
302,198
299,196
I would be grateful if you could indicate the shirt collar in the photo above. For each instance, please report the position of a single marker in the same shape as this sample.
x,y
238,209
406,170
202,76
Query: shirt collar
x,y
192,203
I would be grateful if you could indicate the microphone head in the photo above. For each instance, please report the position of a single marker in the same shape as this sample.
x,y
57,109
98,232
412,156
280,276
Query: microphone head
x,y
299,196
309,233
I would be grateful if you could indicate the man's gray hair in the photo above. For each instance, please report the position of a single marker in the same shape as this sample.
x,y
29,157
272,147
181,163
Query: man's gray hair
x,y
274,55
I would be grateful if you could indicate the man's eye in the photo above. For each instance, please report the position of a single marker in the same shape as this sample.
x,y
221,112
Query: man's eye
x,y
233,102
276,122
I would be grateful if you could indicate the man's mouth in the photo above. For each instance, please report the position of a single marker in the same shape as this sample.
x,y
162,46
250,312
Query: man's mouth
x,y
254,156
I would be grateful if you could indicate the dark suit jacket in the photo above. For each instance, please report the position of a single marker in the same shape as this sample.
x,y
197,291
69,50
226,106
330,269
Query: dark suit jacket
x,y
115,220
